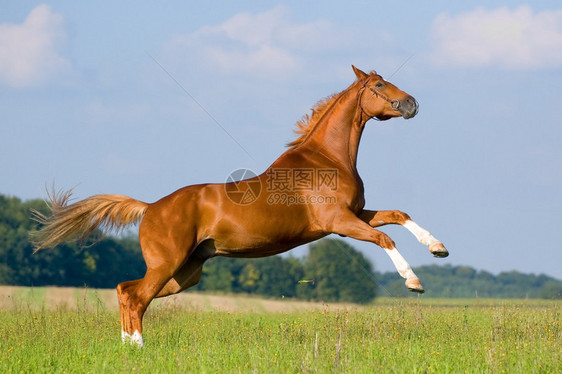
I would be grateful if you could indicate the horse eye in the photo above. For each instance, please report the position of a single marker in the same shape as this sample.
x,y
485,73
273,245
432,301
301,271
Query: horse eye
x,y
379,85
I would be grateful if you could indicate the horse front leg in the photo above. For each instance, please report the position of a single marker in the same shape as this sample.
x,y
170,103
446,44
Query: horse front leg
x,y
395,217
348,224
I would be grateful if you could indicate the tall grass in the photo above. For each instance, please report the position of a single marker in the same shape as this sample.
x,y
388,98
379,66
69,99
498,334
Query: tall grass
x,y
394,336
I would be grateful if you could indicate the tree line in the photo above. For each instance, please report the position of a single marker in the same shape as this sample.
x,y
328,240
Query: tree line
x,y
331,271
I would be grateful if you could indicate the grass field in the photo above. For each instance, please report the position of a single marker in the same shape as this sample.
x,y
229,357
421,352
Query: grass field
x,y
50,330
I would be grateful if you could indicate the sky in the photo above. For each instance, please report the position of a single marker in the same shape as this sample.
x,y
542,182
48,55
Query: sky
x,y
141,99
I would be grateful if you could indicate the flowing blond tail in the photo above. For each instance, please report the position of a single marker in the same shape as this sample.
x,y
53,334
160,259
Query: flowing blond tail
x,y
78,220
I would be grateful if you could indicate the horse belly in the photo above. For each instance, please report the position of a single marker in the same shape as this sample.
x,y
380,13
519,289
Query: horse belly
x,y
253,248
257,229
263,238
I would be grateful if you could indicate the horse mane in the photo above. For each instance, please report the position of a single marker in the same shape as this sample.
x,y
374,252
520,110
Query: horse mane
x,y
308,122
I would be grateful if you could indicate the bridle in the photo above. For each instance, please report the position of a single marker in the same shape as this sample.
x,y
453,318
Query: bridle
x,y
394,103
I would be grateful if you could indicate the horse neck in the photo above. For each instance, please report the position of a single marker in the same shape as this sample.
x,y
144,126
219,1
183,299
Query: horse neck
x,y
338,133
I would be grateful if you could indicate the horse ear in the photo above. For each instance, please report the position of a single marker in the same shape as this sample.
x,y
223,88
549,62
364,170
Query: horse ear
x,y
359,74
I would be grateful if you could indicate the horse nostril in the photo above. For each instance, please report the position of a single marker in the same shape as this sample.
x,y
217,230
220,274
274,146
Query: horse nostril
x,y
409,107
411,101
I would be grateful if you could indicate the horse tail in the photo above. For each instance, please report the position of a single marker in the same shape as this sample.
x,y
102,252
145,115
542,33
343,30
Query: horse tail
x,y
76,221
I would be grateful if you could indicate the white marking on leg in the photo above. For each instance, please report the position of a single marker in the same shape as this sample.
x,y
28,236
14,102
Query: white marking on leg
x,y
136,338
401,264
420,233
125,336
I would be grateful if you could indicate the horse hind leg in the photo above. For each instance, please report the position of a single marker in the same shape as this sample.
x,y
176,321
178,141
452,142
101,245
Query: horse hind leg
x,y
169,278
162,262
134,298
124,302
396,217
189,273
186,277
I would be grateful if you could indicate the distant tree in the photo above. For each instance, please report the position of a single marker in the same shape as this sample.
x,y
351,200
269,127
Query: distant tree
x,y
465,272
551,290
485,276
104,264
220,274
465,282
278,276
275,276
249,277
340,273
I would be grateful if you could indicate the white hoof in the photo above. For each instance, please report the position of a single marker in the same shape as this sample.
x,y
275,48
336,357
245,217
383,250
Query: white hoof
x,y
438,250
136,338
414,285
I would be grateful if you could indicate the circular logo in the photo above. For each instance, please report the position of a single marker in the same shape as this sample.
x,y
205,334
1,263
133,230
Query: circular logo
x,y
242,186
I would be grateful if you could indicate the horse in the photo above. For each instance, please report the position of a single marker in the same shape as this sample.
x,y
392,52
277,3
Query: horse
x,y
312,190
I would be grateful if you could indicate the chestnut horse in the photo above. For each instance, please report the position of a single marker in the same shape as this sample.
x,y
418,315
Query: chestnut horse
x,y
309,192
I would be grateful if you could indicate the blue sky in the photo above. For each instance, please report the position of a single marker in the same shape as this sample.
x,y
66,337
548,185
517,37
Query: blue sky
x,y
85,102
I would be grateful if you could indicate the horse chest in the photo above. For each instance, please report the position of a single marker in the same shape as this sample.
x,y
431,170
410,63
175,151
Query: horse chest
x,y
352,191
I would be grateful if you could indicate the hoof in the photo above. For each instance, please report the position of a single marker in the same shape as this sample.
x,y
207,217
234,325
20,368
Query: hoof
x,y
438,250
135,339
414,285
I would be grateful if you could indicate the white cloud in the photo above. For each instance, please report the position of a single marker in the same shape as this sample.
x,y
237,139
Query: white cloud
x,y
29,52
518,38
263,43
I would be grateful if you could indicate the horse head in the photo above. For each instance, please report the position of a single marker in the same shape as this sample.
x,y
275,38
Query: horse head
x,y
383,100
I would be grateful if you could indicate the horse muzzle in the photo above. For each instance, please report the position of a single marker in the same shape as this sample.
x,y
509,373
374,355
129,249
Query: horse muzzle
x,y
408,107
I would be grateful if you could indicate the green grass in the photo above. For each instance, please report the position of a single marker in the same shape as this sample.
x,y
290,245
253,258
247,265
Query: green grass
x,y
399,336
